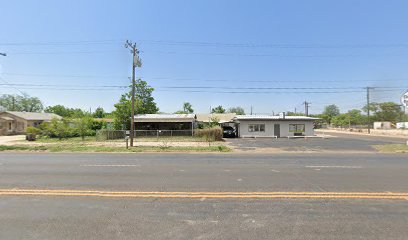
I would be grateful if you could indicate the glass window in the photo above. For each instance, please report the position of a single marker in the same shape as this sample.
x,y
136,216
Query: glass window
x,y
297,128
256,128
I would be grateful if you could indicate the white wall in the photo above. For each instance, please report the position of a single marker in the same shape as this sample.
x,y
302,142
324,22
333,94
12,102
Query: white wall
x,y
269,128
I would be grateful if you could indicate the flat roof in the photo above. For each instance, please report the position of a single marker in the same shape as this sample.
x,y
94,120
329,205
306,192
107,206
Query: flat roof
x,y
274,118
165,117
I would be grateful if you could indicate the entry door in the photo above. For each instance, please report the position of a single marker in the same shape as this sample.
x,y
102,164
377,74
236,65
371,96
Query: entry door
x,y
276,130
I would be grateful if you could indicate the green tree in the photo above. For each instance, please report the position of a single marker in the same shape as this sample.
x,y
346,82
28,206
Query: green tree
x,y
237,110
389,111
21,103
65,112
187,108
99,113
329,112
218,109
386,111
289,113
59,128
83,126
144,105
355,117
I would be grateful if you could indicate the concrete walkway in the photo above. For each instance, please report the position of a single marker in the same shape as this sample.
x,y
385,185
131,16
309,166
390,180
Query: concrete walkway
x,y
10,140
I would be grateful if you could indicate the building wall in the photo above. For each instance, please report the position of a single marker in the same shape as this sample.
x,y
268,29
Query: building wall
x,y
18,125
269,128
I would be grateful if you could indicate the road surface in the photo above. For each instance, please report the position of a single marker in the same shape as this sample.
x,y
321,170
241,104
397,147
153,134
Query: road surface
x,y
203,196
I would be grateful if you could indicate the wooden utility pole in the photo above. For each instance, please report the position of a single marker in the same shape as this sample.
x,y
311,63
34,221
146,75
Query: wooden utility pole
x,y
136,63
307,105
368,110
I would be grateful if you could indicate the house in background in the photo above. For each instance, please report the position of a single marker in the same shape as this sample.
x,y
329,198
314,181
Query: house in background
x,y
109,122
274,126
224,119
165,124
12,123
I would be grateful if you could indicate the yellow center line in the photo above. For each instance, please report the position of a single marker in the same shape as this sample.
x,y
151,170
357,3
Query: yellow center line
x,y
255,195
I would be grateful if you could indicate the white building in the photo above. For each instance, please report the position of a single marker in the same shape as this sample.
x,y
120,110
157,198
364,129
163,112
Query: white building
x,y
274,126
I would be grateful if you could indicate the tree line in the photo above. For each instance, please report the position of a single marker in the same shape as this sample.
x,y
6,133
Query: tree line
x,y
145,104
379,112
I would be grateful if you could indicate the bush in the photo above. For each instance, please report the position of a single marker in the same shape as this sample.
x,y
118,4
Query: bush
x,y
210,134
33,130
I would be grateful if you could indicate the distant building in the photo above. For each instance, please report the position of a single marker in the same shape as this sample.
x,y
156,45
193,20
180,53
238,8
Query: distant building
x,y
12,123
109,122
382,125
274,126
223,119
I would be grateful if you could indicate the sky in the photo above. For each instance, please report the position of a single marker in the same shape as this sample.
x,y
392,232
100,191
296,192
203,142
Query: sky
x,y
268,55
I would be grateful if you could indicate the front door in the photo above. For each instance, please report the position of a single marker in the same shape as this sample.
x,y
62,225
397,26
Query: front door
x,y
276,130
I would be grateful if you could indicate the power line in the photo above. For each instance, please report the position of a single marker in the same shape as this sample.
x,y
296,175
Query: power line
x,y
199,87
65,52
280,55
210,44
272,45
63,43
11,85
203,79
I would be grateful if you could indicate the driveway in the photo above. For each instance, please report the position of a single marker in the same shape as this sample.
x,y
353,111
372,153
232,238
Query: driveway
x,y
336,142
9,140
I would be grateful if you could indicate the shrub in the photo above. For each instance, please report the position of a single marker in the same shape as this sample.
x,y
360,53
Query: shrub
x,y
83,125
210,134
33,130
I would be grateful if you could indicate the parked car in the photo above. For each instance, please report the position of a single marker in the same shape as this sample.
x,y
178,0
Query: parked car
x,y
228,132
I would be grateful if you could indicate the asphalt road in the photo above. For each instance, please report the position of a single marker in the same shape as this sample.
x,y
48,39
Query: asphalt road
x,y
55,216
340,142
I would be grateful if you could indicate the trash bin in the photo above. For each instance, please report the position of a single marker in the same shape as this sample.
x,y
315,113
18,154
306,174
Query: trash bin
x,y
30,137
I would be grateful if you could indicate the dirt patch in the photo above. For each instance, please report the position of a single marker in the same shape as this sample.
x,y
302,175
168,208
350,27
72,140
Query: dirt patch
x,y
11,140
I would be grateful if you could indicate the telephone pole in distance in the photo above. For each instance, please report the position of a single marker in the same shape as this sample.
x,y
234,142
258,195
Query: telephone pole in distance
x,y
307,105
136,63
368,109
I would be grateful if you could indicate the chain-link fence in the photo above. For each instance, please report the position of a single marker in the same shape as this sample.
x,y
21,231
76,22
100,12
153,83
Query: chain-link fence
x,y
104,135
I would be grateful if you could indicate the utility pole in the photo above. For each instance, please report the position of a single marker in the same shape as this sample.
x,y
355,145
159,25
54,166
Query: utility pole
x,y
136,63
251,110
368,109
307,105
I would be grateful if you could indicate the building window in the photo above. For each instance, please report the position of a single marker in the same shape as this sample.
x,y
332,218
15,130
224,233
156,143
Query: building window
x,y
297,128
256,128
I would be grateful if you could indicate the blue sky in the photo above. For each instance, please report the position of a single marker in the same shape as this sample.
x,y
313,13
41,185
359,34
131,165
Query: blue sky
x,y
227,45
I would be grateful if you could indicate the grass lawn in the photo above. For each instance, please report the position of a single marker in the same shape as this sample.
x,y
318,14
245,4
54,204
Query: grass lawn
x,y
396,148
85,148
